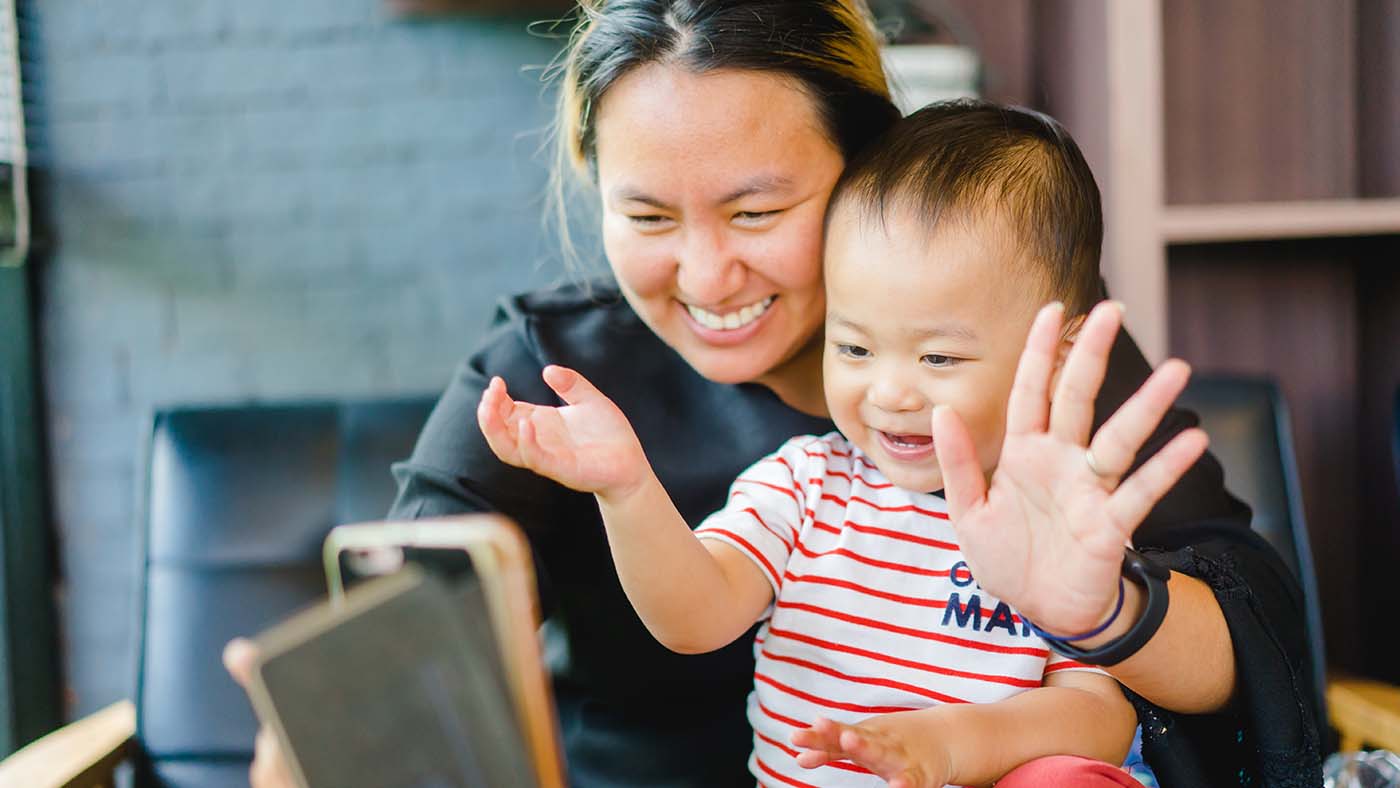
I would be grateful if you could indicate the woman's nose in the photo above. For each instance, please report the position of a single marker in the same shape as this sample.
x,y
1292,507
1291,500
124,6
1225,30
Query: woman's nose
x,y
708,269
891,394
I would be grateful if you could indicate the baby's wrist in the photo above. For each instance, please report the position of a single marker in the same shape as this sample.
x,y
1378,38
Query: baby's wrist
x,y
631,490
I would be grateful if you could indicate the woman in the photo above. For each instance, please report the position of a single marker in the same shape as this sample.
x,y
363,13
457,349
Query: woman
x,y
714,132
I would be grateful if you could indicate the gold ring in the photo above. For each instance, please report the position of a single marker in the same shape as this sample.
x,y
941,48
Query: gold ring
x,y
1093,465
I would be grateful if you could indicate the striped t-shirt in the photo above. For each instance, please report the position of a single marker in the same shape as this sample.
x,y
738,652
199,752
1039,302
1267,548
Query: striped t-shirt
x,y
874,610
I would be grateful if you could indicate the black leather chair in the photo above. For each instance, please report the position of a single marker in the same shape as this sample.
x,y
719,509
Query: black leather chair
x,y
1248,423
239,501
1395,437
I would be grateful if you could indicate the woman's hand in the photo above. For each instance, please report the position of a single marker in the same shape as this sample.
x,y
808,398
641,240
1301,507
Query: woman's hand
x,y
269,769
904,749
1047,533
587,445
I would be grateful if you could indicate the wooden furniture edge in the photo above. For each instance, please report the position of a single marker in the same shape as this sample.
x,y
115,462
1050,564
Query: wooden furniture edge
x,y
81,754
1365,712
1228,222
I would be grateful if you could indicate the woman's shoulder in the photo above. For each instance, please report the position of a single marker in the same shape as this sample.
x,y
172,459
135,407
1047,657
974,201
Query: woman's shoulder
x,y
575,323
568,300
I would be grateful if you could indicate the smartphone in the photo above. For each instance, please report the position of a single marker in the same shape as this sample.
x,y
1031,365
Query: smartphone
x,y
425,671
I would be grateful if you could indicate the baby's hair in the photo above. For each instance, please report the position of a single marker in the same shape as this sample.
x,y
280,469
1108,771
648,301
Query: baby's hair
x,y
968,159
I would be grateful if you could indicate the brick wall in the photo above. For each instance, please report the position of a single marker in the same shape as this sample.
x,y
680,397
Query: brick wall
x,y
258,199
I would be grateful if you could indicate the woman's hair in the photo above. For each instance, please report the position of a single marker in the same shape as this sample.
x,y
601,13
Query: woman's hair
x,y
967,160
829,48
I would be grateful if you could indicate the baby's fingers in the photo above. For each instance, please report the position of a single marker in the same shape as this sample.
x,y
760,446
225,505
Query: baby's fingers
x,y
498,422
811,759
533,454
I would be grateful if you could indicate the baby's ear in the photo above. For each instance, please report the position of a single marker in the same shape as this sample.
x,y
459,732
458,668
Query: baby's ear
x,y
1069,334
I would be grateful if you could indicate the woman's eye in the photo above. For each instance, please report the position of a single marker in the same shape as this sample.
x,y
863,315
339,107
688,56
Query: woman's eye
x,y
852,351
648,220
938,361
755,217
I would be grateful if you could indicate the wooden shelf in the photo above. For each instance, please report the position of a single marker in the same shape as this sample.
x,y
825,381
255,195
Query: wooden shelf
x,y
1276,220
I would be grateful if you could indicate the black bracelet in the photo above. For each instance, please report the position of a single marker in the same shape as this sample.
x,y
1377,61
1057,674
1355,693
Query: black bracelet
x,y
1153,579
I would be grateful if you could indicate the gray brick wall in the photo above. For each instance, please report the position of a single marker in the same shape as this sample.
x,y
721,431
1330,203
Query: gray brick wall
x,y
255,199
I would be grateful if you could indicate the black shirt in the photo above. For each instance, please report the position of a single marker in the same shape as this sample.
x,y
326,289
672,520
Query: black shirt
x,y
633,713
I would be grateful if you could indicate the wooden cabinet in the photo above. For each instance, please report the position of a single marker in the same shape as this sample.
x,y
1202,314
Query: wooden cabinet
x,y
1249,155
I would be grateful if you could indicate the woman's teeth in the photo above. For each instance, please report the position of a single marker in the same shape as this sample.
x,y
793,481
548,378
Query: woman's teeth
x,y
732,320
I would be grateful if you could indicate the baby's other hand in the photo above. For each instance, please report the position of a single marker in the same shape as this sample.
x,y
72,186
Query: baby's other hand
x,y
903,748
587,445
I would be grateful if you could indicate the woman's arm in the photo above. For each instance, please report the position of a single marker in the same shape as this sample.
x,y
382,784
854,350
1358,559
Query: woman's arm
x,y
1189,664
1075,713
693,596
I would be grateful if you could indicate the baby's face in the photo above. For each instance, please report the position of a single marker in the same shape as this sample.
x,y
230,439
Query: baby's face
x,y
915,321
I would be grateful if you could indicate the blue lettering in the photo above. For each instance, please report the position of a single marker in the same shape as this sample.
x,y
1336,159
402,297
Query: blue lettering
x,y
960,574
972,612
1001,617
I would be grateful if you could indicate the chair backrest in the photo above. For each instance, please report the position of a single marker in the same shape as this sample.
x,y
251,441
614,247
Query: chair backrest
x,y
239,500
1395,437
1248,423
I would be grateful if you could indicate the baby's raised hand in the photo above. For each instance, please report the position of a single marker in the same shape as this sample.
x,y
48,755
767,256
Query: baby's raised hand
x,y
902,749
587,445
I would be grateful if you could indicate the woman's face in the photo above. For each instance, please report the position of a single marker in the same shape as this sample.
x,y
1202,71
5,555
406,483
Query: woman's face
x,y
714,188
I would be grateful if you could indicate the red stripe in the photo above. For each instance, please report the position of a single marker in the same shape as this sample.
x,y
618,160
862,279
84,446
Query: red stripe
x,y
772,573
854,556
786,540
853,479
765,767
827,702
869,681
847,765
887,532
937,604
918,633
781,718
784,490
905,508
834,453
828,645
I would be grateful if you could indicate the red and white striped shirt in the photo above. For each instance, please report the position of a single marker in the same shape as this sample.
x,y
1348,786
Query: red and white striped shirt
x,y
874,609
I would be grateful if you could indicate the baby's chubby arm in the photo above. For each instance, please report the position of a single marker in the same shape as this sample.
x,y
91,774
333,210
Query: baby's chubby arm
x,y
693,595
1074,713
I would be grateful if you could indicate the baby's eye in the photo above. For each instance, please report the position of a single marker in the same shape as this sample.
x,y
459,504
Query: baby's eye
x,y
938,361
852,351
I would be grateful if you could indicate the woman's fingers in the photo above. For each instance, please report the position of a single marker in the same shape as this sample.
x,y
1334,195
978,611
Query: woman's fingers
x,y
1072,408
1118,441
269,769
1129,504
964,485
239,657
1028,407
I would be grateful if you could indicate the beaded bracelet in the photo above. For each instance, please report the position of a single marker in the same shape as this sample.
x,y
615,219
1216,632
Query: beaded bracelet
x,y
1118,608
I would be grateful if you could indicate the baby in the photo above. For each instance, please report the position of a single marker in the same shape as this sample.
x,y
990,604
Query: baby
x,y
880,657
